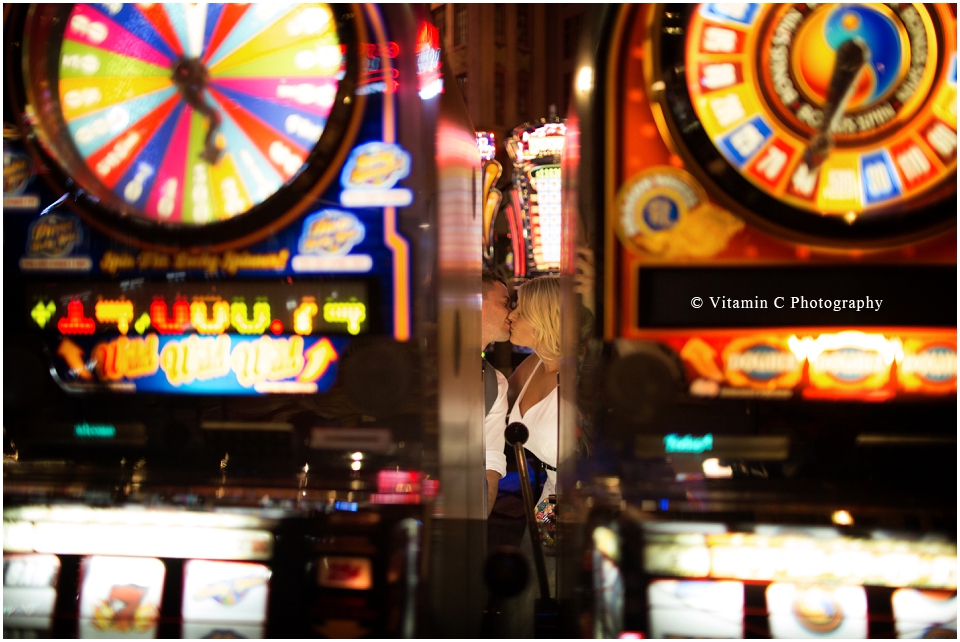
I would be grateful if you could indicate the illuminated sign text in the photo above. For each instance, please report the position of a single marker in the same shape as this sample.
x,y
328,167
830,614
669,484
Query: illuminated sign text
x,y
303,316
94,431
119,312
688,443
75,322
244,325
54,235
165,324
267,359
351,313
196,358
213,324
126,358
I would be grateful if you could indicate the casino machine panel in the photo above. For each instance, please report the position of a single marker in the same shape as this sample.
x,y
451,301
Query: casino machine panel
x,y
767,194
220,258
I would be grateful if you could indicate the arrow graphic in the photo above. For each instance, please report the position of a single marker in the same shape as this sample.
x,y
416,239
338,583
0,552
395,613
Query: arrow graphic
x,y
73,355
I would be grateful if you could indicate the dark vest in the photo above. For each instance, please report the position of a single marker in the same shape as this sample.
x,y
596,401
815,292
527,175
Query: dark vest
x,y
489,386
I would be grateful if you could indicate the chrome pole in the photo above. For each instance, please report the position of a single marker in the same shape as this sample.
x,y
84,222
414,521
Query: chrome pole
x,y
516,435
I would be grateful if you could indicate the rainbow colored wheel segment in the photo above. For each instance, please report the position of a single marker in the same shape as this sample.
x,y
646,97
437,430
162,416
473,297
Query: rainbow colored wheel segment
x,y
191,114
758,78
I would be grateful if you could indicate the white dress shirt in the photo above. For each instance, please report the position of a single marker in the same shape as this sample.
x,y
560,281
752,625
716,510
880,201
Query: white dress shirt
x,y
493,425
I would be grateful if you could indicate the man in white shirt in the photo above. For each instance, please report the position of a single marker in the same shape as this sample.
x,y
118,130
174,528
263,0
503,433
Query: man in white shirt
x,y
495,326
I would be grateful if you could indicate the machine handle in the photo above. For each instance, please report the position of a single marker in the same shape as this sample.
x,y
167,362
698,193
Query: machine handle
x,y
516,435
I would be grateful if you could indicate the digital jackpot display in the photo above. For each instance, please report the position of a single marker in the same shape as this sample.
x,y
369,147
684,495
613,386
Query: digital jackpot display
x,y
235,337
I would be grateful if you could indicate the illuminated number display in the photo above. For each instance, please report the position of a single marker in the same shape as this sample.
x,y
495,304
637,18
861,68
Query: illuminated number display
x,y
773,140
545,222
232,338
188,116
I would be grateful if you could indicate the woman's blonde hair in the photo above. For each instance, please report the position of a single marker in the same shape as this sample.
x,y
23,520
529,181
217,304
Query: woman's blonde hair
x,y
538,301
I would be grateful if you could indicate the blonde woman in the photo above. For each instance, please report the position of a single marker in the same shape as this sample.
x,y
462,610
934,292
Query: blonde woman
x,y
535,324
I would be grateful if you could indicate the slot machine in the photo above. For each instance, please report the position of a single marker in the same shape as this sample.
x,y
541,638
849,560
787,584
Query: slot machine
x,y
533,209
764,432
237,305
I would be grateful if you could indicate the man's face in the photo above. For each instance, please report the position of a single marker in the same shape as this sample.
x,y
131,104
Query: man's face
x,y
494,310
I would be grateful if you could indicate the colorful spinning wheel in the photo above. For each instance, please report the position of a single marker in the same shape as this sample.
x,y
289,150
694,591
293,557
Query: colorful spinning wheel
x,y
831,122
191,124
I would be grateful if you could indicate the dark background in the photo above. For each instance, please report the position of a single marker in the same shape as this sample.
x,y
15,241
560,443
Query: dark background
x,y
912,296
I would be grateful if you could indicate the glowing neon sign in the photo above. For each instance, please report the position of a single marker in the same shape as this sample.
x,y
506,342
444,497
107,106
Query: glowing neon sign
x,y
204,324
331,232
765,362
201,338
119,312
370,173
351,313
42,313
244,325
688,443
126,358
72,356
203,309
142,323
848,360
375,77
75,322
772,553
228,364
531,142
545,216
490,196
303,316
267,359
94,431
429,77
928,366
195,359
830,365
164,324
375,166
487,144
53,235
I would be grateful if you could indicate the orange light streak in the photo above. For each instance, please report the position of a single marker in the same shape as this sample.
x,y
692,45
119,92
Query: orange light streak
x,y
397,244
